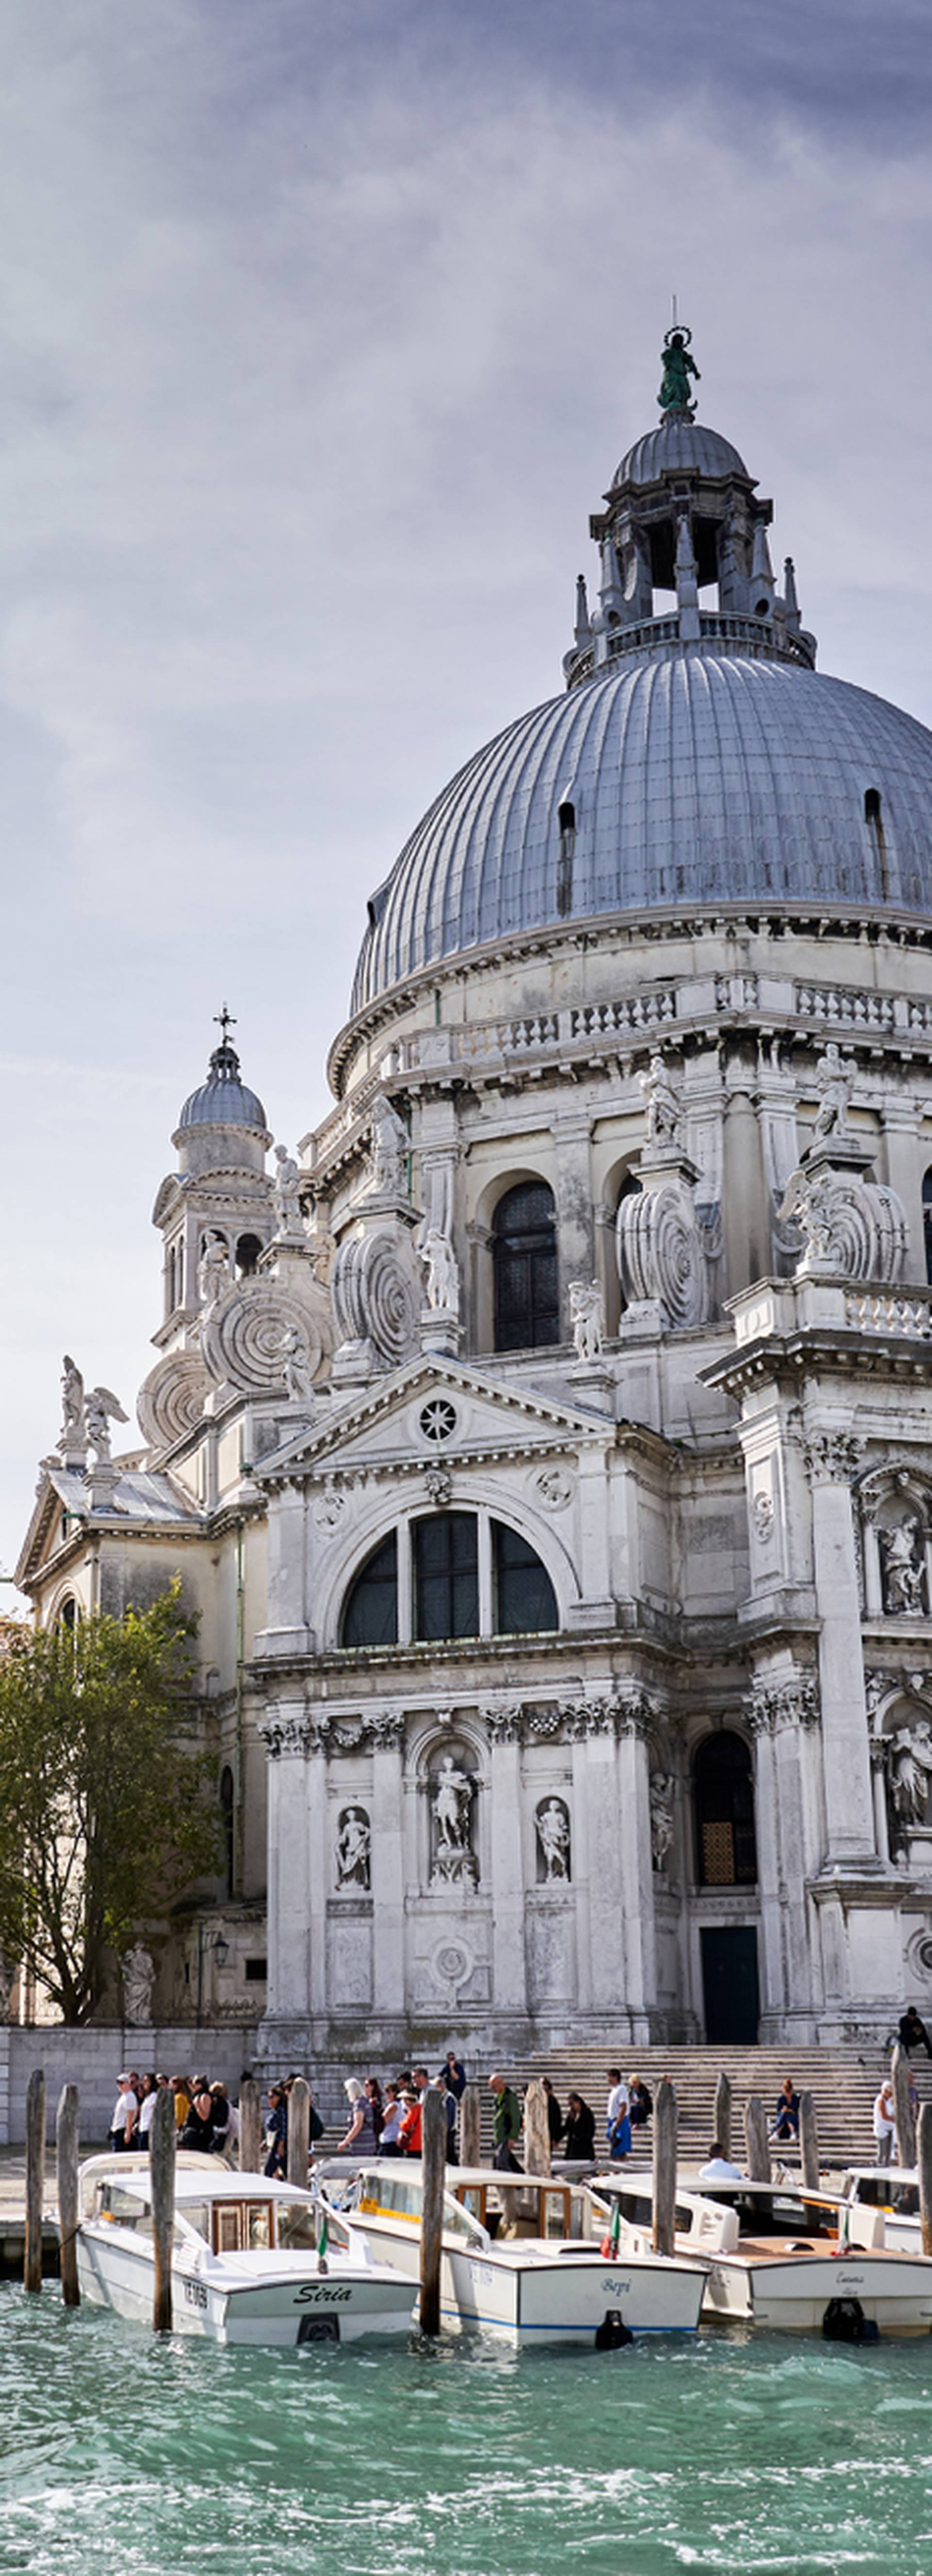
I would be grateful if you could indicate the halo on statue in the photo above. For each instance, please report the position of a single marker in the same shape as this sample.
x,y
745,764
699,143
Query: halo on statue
x,y
678,331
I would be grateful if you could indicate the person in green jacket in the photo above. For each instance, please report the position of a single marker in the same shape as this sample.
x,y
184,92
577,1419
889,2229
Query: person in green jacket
x,y
507,2121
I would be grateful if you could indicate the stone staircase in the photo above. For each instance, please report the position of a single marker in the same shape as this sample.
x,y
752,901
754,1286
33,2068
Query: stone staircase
x,y
842,2081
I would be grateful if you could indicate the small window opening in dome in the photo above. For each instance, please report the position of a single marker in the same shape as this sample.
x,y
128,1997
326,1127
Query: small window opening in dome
x,y
762,608
566,817
873,816
247,1254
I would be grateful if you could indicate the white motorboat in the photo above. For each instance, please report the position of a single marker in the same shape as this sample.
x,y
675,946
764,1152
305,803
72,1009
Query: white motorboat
x,y
253,2261
777,2255
519,2258
882,2206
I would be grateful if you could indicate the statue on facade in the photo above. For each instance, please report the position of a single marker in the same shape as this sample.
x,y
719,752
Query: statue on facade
x,y
587,1313
138,1980
903,1567
677,366
909,1772
389,1148
553,1834
662,1788
72,1405
100,1409
663,1108
442,1279
834,1083
286,1193
213,1270
354,1848
296,1370
451,1809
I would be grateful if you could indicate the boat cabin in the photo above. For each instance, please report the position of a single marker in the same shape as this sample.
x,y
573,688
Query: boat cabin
x,y
479,2204
241,2214
721,2216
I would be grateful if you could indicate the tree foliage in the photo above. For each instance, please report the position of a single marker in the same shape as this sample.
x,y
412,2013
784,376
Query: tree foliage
x,y
105,1810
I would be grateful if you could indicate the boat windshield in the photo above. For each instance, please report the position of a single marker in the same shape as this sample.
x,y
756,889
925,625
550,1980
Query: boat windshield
x,y
774,2213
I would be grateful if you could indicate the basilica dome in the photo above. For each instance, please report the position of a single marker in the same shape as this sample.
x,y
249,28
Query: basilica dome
x,y
696,758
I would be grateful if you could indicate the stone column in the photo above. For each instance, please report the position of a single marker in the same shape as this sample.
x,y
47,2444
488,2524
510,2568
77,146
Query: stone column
x,y
596,1776
387,1868
575,1210
904,1175
509,1976
286,1631
784,1705
287,1732
831,1458
637,1870
745,1208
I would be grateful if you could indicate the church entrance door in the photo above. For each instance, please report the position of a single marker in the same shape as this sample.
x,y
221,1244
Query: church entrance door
x,y
730,1991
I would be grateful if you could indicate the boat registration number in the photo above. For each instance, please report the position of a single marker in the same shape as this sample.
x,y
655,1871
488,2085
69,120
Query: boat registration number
x,y
195,2294
326,2294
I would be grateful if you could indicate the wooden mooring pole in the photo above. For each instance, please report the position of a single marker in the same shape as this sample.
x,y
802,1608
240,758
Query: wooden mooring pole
x,y
755,2139
905,2124
250,2126
67,2127
35,2179
664,2181
299,2132
162,2148
433,2175
924,2161
471,2126
721,2119
536,2131
809,2142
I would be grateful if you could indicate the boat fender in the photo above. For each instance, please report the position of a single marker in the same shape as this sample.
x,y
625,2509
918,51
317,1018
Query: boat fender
x,y
612,2332
845,2322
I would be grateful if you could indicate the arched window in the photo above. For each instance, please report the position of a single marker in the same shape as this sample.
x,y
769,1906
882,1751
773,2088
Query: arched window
x,y
523,1597
445,1553
726,1847
247,1254
370,1612
566,817
524,1252
227,1828
927,1220
873,816
68,1614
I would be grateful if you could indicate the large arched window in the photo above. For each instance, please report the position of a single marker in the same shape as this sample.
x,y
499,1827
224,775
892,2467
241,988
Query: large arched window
x,y
370,1611
524,1253
726,1847
469,1577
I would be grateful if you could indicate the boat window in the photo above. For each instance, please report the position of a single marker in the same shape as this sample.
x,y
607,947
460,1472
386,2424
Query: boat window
x,y
258,2223
299,2223
472,2197
459,2221
904,2198
228,2227
554,2209
117,2204
197,2215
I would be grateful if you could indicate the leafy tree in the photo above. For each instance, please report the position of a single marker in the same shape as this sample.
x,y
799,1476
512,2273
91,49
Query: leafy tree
x,y
104,1805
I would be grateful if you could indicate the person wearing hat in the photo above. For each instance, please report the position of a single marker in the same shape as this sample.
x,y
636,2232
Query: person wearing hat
x,y
124,2115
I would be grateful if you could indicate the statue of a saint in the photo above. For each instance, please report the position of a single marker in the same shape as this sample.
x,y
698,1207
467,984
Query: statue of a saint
x,y
293,1353
213,1271
286,1193
902,1573
389,1147
663,1108
677,366
661,1817
442,1284
451,1808
588,1318
138,1980
353,1848
910,1772
100,1409
835,1086
72,1405
553,1834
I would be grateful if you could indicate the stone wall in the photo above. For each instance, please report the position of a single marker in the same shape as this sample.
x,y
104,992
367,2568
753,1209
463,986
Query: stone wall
x,y
92,2060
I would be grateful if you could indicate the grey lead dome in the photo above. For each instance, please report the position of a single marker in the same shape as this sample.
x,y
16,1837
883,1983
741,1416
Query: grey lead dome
x,y
223,1100
704,777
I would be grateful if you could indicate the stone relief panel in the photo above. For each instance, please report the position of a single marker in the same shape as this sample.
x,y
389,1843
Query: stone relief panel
x,y
552,1828
353,1850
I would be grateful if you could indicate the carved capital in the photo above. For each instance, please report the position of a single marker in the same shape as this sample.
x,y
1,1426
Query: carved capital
x,y
505,1720
288,1732
832,1457
776,1705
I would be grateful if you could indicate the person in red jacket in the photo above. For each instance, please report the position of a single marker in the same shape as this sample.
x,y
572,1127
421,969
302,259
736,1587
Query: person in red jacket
x,y
409,2134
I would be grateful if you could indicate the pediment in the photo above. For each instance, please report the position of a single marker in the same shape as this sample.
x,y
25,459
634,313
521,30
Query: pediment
x,y
434,1408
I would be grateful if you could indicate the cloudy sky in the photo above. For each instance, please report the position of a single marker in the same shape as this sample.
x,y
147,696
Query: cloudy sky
x,y
324,324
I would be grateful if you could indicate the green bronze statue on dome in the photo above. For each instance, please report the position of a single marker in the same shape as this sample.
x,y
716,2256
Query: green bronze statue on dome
x,y
678,366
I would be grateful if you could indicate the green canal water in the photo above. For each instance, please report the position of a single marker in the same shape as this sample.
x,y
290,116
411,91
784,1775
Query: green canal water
x,y
123,2455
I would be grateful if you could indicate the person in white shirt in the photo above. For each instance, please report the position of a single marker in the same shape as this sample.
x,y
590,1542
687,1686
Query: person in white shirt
x,y
150,2095
719,2168
124,2114
616,2107
885,2124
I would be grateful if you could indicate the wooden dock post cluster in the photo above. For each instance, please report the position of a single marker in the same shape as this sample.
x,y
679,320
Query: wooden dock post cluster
x,y
755,2139
470,2126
